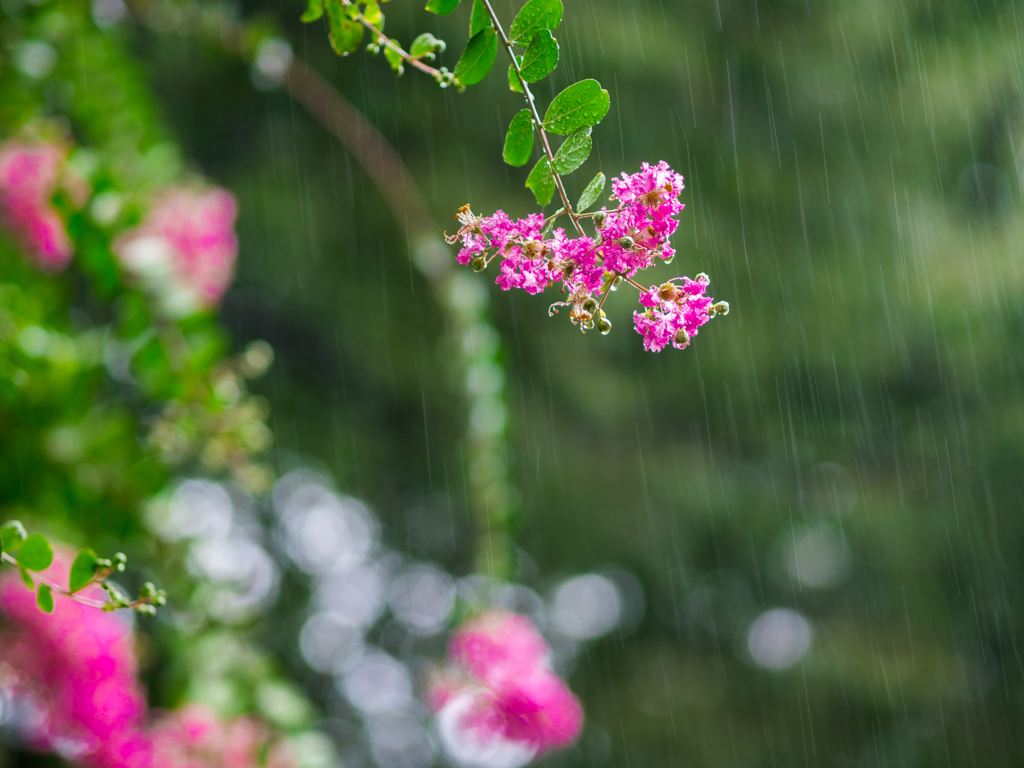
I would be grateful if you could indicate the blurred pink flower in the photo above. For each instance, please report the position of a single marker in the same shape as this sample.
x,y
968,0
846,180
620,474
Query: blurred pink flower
x,y
28,178
77,672
195,737
78,667
185,249
499,704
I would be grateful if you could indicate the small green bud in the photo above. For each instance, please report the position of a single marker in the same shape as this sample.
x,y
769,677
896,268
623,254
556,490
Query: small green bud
x,y
626,242
682,337
120,560
590,305
478,264
600,218
721,307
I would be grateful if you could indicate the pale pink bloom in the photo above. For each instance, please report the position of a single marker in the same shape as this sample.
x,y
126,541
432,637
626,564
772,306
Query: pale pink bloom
x,y
195,737
185,249
28,179
499,704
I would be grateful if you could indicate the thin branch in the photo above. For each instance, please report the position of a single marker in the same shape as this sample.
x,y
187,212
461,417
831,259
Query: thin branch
x,y
389,43
91,602
535,114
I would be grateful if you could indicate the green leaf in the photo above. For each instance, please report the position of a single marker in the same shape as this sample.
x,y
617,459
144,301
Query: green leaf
x,y
345,34
35,553
532,18
541,182
480,19
541,57
519,139
44,599
372,14
513,81
574,151
591,193
395,60
83,569
478,58
314,10
12,533
442,7
425,46
27,578
583,103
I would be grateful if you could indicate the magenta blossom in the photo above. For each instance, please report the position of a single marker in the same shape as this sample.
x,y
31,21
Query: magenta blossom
x,y
77,669
28,178
628,238
498,703
675,312
185,249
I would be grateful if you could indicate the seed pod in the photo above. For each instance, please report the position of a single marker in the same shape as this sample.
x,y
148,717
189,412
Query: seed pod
x,y
478,264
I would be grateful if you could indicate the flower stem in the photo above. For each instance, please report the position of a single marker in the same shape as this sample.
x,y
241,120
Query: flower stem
x,y
635,284
535,114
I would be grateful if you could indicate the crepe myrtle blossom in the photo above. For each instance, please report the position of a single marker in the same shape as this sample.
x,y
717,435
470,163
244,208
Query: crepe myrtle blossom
x,y
195,737
629,238
498,703
74,675
184,251
76,672
29,176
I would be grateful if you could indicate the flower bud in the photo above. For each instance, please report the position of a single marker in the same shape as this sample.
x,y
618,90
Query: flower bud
x,y
721,307
667,292
533,248
600,218
590,305
626,242
478,264
682,337
604,325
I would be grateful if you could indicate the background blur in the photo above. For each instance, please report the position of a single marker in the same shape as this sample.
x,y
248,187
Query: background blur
x,y
813,518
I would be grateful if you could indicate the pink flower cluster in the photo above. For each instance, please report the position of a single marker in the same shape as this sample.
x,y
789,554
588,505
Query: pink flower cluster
x,y
76,671
628,239
77,667
194,737
499,702
185,249
28,178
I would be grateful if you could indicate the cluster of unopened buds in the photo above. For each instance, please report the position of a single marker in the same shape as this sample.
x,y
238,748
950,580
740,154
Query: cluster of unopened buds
x,y
628,239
